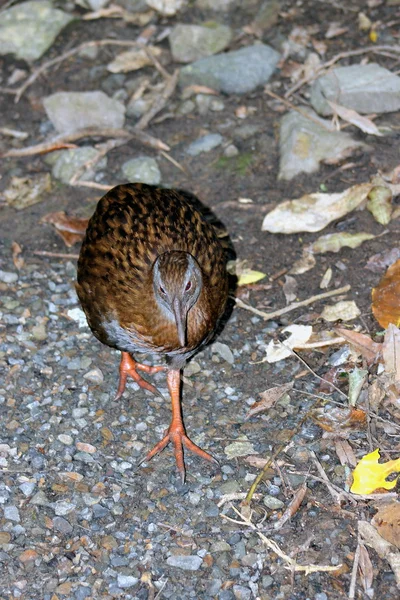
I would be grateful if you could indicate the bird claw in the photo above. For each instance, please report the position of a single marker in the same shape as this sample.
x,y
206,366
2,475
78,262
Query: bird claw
x,y
129,366
179,439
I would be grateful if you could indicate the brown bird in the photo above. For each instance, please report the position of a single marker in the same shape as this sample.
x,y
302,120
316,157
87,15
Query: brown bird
x,y
152,278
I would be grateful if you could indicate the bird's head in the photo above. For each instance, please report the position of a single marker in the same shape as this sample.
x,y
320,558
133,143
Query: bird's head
x,y
177,282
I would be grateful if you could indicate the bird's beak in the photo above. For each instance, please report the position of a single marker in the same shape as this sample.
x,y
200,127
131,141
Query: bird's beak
x,y
180,315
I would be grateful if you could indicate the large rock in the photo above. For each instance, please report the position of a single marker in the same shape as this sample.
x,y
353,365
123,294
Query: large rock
x,y
192,42
304,143
65,163
71,111
234,72
143,169
29,29
364,88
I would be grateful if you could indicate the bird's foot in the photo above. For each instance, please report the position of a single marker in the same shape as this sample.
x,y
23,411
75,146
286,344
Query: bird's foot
x,y
129,366
176,434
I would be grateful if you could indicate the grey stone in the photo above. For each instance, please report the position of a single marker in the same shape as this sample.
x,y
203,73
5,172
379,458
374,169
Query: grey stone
x,y
72,111
267,15
234,72
364,88
217,5
27,487
272,502
8,277
241,593
220,546
224,351
29,29
214,586
65,163
126,581
143,169
187,563
11,513
62,507
305,143
40,499
204,144
267,581
95,376
192,42
62,525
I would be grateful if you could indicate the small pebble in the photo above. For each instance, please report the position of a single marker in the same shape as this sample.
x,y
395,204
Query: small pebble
x,y
11,513
126,581
65,439
187,563
7,277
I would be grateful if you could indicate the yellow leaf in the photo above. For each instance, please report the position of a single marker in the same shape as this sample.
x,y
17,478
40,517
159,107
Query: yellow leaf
x,y
248,276
373,36
370,475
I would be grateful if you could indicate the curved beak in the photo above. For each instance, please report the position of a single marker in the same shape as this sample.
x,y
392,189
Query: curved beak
x,y
180,315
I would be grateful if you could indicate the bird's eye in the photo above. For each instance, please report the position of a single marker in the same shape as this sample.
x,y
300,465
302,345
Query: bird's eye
x,y
188,286
162,291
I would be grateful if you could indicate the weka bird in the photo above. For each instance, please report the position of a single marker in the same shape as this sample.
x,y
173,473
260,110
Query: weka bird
x,y
152,278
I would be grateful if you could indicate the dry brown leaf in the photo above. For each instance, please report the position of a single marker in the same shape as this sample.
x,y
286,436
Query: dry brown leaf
x,y
345,453
71,229
334,30
366,569
133,60
385,297
353,117
335,419
293,506
268,399
362,343
17,260
387,523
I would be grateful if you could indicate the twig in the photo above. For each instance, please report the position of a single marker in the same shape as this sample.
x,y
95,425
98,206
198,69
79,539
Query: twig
x,y
303,113
175,162
159,102
337,496
272,545
294,305
55,254
352,589
307,366
66,138
335,59
293,507
321,344
55,61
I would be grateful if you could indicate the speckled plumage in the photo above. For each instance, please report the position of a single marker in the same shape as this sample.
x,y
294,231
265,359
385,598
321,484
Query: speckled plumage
x,y
134,224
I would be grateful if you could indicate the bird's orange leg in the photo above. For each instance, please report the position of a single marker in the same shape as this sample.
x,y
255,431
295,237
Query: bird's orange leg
x,y
176,432
129,366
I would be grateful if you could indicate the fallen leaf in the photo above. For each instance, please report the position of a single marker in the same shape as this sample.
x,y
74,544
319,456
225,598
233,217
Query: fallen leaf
x,y
290,289
26,191
376,393
345,310
366,570
326,279
242,447
333,242
167,8
384,549
303,264
368,349
370,475
71,229
114,11
381,261
387,522
345,453
299,335
245,275
337,418
353,117
268,399
357,379
334,30
17,259
391,352
385,297
313,212
133,60
380,204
